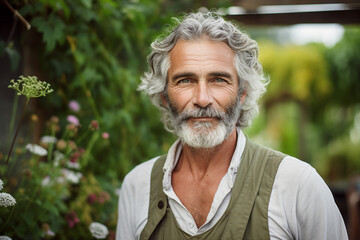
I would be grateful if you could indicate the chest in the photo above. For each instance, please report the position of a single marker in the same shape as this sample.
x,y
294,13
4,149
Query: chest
x,y
196,196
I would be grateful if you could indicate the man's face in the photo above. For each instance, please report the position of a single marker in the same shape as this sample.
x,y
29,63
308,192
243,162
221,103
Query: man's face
x,y
202,92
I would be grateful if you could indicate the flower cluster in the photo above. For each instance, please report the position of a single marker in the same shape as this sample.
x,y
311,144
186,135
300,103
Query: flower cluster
x,y
98,230
36,149
6,200
5,238
56,183
72,219
30,87
99,198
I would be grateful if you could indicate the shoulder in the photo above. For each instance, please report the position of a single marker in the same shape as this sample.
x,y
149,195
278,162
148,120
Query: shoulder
x,y
140,173
300,201
134,201
299,181
293,170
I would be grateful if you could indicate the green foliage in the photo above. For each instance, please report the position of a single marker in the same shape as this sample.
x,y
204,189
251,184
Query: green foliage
x,y
345,67
311,109
339,160
299,72
36,204
278,128
55,192
299,83
94,52
52,29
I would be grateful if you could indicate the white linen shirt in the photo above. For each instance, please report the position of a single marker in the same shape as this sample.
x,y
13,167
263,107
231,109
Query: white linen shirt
x,y
301,205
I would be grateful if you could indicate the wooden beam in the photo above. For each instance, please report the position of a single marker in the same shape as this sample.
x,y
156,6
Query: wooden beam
x,y
289,2
348,15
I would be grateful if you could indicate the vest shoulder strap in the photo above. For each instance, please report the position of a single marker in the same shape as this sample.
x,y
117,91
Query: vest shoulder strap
x,y
252,189
158,200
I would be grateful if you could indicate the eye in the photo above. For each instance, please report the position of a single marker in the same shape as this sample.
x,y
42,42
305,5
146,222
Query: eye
x,y
185,80
219,80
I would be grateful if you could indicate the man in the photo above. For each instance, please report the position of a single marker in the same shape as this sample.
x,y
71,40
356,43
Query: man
x,y
214,183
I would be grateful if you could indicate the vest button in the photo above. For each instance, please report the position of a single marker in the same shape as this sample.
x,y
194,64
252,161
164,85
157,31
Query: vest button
x,y
160,204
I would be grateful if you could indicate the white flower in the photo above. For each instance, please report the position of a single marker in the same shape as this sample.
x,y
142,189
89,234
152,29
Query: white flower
x,y
60,180
46,181
36,149
58,156
1,186
98,230
48,139
7,200
49,233
5,238
73,165
71,176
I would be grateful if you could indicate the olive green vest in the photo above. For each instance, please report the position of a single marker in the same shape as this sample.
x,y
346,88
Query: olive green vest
x,y
246,216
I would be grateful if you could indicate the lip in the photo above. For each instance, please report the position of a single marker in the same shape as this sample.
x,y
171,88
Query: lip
x,y
203,119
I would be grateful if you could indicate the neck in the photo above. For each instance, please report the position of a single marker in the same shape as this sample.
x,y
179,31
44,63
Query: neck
x,y
202,161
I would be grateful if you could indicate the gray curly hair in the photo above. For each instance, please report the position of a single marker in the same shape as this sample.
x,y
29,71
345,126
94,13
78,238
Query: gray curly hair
x,y
192,27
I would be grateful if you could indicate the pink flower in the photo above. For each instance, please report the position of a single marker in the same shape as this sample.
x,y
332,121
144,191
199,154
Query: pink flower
x,y
74,106
73,120
94,125
92,198
103,197
72,219
105,135
76,155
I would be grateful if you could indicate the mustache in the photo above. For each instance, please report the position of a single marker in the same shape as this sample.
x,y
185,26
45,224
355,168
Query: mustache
x,y
208,111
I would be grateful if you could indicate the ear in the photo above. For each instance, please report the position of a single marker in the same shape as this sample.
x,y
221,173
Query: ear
x,y
163,100
243,97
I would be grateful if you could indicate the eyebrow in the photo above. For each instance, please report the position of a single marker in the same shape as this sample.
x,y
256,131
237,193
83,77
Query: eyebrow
x,y
190,74
220,74
181,75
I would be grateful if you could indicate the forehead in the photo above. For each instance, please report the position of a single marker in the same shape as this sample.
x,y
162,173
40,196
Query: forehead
x,y
202,52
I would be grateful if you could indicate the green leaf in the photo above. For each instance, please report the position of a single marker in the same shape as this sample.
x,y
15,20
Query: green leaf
x,y
52,30
87,3
92,76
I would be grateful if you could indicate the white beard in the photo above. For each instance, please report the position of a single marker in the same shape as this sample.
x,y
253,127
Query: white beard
x,y
203,134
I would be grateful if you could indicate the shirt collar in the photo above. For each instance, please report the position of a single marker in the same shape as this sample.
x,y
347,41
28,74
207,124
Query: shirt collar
x,y
174,154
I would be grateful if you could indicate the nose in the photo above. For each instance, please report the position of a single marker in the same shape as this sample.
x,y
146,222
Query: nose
x,y
202,95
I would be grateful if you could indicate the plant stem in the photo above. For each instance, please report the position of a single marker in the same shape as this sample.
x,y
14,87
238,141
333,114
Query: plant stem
x,y
83,136
13,114
92,141
17,130
92,103
8,219
51,146
17,14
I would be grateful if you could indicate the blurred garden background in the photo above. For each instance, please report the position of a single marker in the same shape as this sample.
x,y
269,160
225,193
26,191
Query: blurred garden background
x,y
95,126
